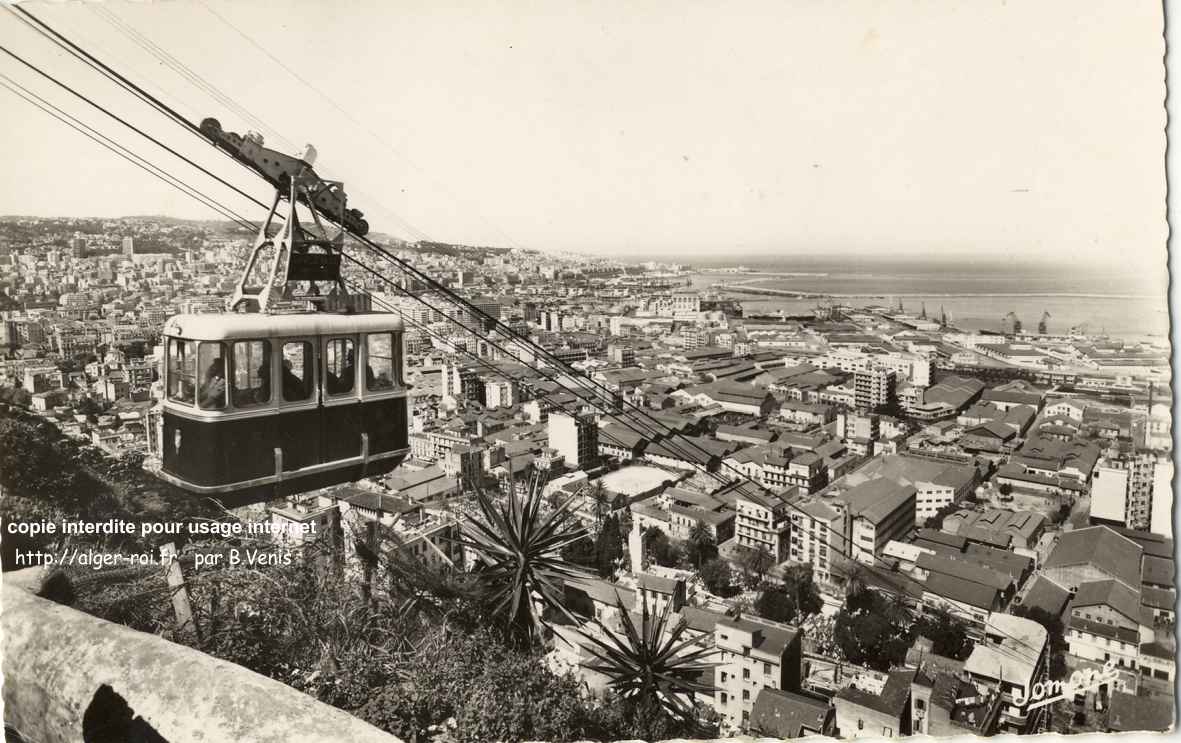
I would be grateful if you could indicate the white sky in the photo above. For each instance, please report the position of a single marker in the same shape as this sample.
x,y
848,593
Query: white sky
x,y
687,129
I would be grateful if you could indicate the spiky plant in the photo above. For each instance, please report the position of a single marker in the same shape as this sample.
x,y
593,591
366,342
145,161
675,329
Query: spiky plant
x,y
518,549
653,666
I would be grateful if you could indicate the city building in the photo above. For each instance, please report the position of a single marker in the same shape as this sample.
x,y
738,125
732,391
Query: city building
x,y
1011,658
875,708
785,715
753,654
875,512
576,437
763,522
874,387
815,527
1122,491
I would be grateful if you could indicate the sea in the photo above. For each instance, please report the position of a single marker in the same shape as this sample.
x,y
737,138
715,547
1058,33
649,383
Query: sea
x,y
976,294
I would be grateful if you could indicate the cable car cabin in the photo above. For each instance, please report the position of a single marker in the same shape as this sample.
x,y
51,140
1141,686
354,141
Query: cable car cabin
x,y
262,406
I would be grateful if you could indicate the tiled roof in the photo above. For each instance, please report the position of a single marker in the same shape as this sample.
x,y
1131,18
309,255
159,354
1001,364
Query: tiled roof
x,y
1046,595
1102,548
892,700
963,569
874,500
1131,713
771,639
963,591
1109,593
785,714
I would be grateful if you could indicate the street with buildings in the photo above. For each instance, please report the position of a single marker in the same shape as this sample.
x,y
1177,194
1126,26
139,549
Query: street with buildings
x,y
1015,484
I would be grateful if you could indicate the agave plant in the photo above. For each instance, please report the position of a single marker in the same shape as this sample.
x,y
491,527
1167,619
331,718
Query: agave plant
x,y
653,666
518,549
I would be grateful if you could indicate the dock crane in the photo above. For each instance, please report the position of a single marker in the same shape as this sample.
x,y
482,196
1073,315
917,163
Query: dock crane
x,y
1012,317
1041,326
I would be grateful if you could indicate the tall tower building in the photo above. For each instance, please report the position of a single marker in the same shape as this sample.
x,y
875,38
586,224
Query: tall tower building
x,y
576,437
1122,491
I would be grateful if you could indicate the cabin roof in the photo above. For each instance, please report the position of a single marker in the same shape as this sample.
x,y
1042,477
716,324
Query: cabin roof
x,y
231,326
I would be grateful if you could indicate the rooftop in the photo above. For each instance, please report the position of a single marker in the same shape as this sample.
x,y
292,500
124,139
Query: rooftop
x,y
1102,548
1131,713
891,701
785,714
874,500
769,638
1109,593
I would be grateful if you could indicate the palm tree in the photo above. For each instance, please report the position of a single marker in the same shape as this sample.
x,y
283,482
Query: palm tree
x,y
701,538
653,666
856,576
518,551
598,496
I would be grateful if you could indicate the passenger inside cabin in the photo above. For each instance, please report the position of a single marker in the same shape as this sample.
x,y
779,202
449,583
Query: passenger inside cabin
x,y
294,388
338,384
213,388
257,393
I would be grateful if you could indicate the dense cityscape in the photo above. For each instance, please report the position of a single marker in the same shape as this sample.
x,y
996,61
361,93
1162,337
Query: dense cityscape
x,y
873,522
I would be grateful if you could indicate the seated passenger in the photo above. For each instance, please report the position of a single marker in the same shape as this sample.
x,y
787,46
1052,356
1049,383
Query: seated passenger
x,y
214,387
294,388
258,394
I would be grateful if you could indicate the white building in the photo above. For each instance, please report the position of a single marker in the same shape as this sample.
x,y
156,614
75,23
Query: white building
x,y
814,529
576,437
1122,491
1161,519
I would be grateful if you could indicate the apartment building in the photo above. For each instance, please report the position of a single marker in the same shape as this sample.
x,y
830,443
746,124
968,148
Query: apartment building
x,y
874,387
1011,659
814,528
1122,491
875,512
576,437
762,520
753,654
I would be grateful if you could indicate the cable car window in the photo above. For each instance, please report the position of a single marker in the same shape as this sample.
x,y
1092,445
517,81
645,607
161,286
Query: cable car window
x,y
182,370
339,361
252,373
379,374
297,371
211,361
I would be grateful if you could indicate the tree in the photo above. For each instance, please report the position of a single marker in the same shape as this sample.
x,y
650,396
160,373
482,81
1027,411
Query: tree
x,y
492,690
600,501
776,604
873,631
608,547
89,407
936,521
754,563
800,584
701,543
21,397
662,549
948,635
717,576
652,667
582,552
518,557
856,574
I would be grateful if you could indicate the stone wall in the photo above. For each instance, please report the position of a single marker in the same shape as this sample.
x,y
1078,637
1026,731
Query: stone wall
x,y
69,676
